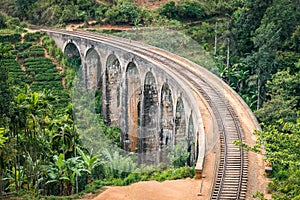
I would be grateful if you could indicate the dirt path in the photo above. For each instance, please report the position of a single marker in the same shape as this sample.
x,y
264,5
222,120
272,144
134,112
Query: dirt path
x,y
150,4
186,189
94,26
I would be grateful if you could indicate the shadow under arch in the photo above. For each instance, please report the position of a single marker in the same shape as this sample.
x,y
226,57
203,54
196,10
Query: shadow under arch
x,y
191,142
166,118
149,136
112,90
180,122
132,97
72,53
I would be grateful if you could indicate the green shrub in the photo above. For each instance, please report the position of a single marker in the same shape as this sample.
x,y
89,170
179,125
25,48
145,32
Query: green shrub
x,y
36,48
173,173
98,172
124,12
93,187
23,46
23,25
2,21
33,37
7,51
48,77
132,178
12,38
184,10
178,155
19,80
39,70
29,53
159,174
12,23
42,60
52,49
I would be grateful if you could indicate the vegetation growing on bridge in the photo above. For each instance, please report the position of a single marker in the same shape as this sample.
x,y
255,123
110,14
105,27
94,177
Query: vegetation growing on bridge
x,y
257,52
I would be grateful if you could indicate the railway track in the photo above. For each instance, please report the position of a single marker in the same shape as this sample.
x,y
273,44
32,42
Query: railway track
x,y
231,176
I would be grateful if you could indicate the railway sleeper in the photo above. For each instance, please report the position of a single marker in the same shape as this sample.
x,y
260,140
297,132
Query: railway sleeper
x,y
234,166
232,173
235,161
231,184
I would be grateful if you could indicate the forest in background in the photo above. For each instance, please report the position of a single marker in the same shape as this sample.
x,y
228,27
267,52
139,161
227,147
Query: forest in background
x,y
255,44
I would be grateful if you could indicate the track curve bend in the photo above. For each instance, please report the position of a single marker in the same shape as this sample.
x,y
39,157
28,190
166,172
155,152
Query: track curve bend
x,y
231,176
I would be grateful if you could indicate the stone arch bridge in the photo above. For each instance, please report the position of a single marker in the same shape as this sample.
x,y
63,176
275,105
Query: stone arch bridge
x,y
159,100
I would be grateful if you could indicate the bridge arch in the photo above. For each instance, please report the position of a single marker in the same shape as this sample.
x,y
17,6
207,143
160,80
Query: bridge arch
x,y
71,49
72,52
132,97
112,92
93,68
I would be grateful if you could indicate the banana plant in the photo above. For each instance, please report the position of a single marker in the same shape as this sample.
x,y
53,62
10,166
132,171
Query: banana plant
x,y
89,162
64,171
15,177
63,130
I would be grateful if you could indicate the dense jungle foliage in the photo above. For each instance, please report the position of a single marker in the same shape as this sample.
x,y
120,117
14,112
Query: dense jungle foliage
x,y
255,45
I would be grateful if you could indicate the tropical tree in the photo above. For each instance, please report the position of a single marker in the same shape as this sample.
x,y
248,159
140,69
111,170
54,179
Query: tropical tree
x,y
246,20
295,39
64,172
123,12
281,143
90,162
27,112
263,60
22,7
64,134
184,10
283,100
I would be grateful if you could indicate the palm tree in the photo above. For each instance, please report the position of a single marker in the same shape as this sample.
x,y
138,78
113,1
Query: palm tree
x,y
27,114
18,123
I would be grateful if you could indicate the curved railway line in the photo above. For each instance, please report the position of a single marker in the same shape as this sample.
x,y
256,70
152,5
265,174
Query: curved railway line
x,y
230,181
